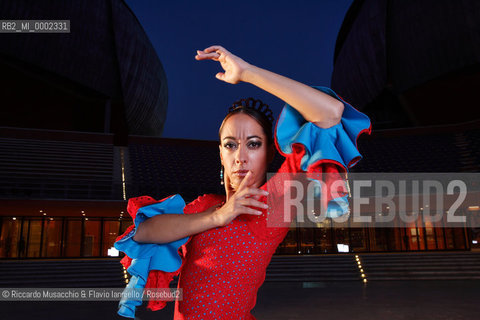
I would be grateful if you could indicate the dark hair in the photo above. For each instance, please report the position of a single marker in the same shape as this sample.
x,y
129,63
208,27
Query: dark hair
x,y
256,109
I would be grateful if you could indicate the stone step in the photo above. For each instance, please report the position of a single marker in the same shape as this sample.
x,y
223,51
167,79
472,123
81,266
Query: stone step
x,y
70,269
420,272
476,258
310,279
377,267
422,267
424,277
314,266
72,283
91,275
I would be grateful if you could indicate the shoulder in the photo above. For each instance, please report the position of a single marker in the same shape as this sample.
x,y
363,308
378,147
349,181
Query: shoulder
x,y
204,202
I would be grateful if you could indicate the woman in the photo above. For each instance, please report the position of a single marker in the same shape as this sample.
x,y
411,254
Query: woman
x,y
227,241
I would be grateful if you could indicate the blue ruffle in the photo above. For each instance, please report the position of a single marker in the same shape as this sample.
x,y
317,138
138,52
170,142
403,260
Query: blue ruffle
x,y
149,256
336,207
337,143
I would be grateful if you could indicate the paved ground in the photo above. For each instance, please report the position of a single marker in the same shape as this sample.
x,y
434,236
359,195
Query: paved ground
x,y
349,300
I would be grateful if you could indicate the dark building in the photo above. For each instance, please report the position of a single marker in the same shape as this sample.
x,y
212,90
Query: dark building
x,y
409,63
104,76
69,103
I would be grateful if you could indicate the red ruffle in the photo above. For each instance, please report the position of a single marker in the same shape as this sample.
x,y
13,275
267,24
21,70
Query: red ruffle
x,y
158,278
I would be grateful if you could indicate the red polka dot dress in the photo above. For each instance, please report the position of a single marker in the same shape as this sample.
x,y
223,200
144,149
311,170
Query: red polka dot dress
x,y
221,269
224,267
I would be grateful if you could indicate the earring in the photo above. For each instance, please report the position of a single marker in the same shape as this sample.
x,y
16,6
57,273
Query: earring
x,y
221,175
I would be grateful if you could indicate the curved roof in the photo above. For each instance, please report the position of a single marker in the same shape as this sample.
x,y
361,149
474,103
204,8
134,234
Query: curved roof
x,y
401,44
107,51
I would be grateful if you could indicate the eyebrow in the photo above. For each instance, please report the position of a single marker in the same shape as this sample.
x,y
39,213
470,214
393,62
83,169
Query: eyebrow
x,y
249,137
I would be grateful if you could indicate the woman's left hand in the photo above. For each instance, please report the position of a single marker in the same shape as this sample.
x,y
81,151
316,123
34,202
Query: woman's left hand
x,y
233,66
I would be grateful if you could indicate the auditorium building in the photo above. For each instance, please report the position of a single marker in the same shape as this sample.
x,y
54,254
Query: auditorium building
x,y
75,143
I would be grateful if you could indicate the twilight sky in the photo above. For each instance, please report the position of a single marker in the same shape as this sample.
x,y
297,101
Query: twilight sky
x,y
293,38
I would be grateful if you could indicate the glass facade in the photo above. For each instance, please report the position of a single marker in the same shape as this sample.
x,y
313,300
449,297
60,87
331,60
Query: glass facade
x,y
28,237
34,237
52,236
332,237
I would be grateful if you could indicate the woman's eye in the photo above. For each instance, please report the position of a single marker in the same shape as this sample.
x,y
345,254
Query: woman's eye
x,y
229,145
255,144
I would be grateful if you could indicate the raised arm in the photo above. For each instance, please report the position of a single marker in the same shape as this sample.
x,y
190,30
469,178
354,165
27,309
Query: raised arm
x,y
314,105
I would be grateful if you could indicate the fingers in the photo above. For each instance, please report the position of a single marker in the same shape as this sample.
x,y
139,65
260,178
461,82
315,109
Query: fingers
x,y
215,48
202,55
254,203
246,180
255,193
220,76
212,52
252,192
251,211
244,189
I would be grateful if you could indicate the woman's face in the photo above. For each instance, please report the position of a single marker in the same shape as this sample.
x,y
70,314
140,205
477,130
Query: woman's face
x,y
243,146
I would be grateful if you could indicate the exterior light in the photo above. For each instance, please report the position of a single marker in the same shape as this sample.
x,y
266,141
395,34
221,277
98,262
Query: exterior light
x,y
113,252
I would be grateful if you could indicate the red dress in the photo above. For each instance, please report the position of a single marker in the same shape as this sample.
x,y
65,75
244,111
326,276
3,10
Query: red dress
x,y
223,268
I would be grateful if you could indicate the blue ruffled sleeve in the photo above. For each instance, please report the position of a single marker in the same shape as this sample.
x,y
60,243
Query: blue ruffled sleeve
x,y
337,144
149,256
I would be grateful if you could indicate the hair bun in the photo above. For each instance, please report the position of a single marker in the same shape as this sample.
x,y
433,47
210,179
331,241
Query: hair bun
x,y
256,104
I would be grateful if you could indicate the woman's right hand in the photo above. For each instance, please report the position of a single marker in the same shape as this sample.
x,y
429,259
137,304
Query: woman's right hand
x,y
240,202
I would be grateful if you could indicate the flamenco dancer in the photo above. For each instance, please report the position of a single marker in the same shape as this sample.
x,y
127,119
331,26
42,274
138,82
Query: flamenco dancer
x,y
221,245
